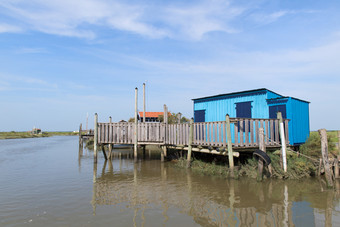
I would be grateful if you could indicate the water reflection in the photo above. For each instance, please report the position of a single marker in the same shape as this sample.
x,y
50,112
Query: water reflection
x,y
209,201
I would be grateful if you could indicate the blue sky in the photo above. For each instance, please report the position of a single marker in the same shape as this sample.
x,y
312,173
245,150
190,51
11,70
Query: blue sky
x,y
60,60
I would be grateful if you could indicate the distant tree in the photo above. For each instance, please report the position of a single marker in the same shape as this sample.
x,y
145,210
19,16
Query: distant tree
x,y
132,119
173,118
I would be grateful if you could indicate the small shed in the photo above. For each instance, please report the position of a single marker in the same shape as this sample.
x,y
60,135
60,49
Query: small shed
x,y
260,103
151,116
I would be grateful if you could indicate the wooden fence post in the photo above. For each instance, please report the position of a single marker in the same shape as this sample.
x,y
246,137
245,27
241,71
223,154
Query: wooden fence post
x,y
136,126
191,133
283,141
324,151
95,137
230,146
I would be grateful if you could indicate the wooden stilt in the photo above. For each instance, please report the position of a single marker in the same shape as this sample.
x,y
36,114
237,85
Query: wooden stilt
x,y
104,153
230,146
110,145
135,147
144,147
191,132
283,142
336,167
324,151
95,137
80,139
260,161
162,154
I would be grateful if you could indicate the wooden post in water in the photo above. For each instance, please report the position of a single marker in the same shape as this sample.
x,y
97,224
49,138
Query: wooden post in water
x,y
283,141
191,133
95,137
165,121
230,146
324,151
110,145
104,153
260,161
80,140
136,126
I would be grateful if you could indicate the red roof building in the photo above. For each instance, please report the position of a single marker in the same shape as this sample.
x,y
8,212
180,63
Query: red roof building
x,y
151,116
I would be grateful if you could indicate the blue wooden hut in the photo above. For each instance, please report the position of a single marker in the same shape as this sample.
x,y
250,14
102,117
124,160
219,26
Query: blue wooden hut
x,y
259,103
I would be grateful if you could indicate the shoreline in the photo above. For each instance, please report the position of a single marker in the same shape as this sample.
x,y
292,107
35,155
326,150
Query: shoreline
x,y
24,135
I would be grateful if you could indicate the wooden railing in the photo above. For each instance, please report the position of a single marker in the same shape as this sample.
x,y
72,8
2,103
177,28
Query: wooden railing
x,y
244,133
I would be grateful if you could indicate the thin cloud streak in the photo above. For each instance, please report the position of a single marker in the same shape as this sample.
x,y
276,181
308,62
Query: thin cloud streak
x,y
77,18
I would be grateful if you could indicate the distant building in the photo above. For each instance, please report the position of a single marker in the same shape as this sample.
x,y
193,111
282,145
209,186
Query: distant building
x,y
151,116
259,103
36,131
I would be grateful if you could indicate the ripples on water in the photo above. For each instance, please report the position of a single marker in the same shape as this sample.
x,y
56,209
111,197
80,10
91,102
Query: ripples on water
x,y
47,182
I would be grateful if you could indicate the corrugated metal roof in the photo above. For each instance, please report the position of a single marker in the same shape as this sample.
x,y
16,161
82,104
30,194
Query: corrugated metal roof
x,y
238,93
287,97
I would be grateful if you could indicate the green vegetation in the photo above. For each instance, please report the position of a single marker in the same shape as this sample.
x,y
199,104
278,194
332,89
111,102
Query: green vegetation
x,y
312,147
297,168
205,168
20,135
173,118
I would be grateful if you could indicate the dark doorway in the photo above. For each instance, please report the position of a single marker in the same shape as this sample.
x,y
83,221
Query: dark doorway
x,y
278,108
243,109
199,116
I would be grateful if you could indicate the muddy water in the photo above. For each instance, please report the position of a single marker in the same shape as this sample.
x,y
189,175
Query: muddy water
x,y
47,182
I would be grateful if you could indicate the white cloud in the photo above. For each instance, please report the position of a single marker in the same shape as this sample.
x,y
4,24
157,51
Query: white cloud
x,y
7,28
80,18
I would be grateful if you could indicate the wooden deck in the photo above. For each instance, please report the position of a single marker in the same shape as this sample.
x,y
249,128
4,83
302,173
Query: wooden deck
x,y
244,133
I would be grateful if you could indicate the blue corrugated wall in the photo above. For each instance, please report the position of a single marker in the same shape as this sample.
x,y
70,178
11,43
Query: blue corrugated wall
x,y
217,107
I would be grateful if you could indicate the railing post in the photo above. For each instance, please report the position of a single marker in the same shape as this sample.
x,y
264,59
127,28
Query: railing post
x,y
191,132
95,137
180,116
230,146
283,141
136,127
324,151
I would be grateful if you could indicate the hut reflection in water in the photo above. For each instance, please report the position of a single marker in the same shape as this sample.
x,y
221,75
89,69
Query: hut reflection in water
x,y
150,185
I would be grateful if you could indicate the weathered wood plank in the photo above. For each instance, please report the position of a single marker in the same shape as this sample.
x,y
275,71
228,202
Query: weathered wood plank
x,y
241,133
246,125
325,159
286,131
271,132
236,134
277,138
267,133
